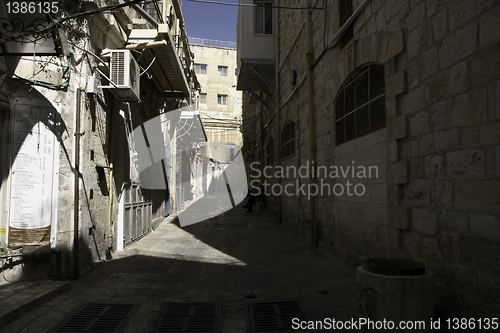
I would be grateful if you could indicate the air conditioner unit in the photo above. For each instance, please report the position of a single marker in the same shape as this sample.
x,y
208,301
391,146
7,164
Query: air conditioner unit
x,y
124,73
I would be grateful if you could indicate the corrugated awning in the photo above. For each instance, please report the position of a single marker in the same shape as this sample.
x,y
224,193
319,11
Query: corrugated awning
x,y
167,70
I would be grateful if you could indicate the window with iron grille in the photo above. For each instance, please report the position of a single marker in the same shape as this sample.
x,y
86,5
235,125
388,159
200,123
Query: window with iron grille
x,y
222,70
200,69
360,105
203,98
288,139
345,12
263,18
270,152
222,100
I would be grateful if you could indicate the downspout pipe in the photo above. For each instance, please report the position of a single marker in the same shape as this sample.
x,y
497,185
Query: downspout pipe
x,y
311,128
76,196
114,110
144,14
277,104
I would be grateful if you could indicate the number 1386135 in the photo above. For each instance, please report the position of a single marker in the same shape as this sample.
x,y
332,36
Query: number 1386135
x,y
32,7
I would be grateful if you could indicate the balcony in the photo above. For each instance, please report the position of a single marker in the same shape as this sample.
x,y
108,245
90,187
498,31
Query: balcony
x,y
165,50
255,45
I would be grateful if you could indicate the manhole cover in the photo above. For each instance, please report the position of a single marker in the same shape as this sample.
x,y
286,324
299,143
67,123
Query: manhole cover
x,y
274,316
188,317
96,317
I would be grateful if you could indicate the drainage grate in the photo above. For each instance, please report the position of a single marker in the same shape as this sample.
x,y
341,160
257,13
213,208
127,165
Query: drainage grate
x,y
188,317
274,316
96,317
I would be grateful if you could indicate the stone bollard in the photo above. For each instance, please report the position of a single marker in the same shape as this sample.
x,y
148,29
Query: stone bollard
x,y
393,292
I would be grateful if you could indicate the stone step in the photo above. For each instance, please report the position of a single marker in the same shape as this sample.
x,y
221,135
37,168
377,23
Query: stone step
x,y
18,297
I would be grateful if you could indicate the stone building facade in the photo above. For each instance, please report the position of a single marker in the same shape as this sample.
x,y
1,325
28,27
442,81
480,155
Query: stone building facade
x,y
83,122
219,102
411,89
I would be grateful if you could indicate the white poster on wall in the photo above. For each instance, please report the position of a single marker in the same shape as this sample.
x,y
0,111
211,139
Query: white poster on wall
x,y
34,172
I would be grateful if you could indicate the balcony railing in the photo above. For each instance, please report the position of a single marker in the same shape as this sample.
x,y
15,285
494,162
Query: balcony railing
x,y
211,42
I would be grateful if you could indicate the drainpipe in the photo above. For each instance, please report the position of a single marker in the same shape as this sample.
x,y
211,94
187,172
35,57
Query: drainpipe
x,y
144,14
261,150
311,128
116,104
277,103
76,196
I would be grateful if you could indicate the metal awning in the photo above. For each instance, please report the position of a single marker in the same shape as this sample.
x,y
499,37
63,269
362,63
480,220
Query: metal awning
x,y
191,126
255,75
167,70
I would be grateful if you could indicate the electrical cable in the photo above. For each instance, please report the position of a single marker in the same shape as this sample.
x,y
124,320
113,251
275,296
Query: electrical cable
x,y
92,54
45,84
206,114
222,131
66,72
250,5
152,61
73,16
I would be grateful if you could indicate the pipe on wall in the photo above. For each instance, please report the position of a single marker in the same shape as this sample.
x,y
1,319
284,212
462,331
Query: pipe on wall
x,y
311,127
144,14
76,196
114,110
277,105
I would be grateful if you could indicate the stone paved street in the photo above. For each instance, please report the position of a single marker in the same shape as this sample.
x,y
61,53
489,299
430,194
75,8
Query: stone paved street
x,y
234,258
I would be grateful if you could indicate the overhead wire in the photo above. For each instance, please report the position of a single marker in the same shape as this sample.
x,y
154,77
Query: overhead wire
x,y
51,27
152,61
222,131
206,114
71,17
250,5
66,72
89,52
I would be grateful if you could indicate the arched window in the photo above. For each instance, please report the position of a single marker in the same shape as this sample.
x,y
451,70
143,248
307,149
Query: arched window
x,y
270,152
288,139
360,105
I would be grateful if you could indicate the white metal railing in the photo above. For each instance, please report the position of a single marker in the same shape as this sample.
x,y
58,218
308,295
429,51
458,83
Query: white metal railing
x,y
212,42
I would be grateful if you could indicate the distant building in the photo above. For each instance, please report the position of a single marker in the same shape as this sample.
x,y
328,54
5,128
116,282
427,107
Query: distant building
x,y
219,103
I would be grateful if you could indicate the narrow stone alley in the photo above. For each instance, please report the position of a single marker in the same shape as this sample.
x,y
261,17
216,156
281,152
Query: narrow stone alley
x,y
234,259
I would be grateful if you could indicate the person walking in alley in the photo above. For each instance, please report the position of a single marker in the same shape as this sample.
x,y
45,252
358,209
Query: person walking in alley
x,y
251,195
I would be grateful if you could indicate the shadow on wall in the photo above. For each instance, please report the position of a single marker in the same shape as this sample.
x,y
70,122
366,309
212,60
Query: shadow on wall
x,y
42,262
44,115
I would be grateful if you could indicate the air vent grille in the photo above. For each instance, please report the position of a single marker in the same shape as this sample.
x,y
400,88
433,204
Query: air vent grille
x,y
188,317
118,68
274,316
96,317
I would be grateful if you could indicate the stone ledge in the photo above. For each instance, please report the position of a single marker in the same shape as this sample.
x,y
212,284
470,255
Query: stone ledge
x,y
19,297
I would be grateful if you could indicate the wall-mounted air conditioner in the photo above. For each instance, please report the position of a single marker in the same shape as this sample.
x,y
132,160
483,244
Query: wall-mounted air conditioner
x,y
124,75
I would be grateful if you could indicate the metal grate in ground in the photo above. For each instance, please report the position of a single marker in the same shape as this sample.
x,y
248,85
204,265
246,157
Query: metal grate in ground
x,y
96,317
273,316
189,317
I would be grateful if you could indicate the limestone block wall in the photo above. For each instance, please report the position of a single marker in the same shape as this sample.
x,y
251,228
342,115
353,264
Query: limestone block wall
x,y
212,84
444,140
436,200
102,141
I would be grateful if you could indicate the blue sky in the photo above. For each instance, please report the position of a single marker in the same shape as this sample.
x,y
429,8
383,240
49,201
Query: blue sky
x,y
211,21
